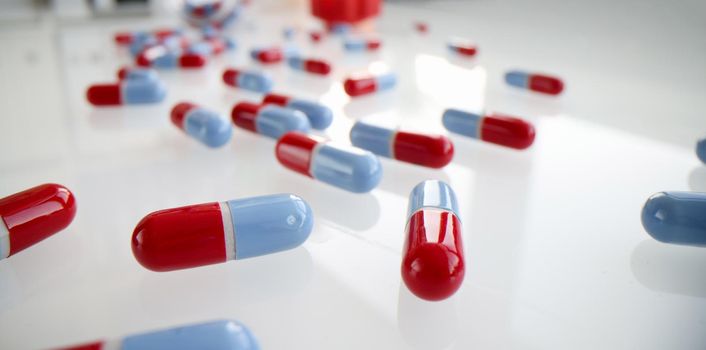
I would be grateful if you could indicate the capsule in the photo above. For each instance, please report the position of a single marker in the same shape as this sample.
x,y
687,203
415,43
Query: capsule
x,y
309,65
288,33
536,82
126,38
269,120
315,36
360,44
206,10
268,55
208,47
350,168
421,27
204,125
212,233
136,73
676,217
249,80
434,151
32,215
701,150
498,129
367,84
320,117
127,92
433,264
462,47
160,57
222,335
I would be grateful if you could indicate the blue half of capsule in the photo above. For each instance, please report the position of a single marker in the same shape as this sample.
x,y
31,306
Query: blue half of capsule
x,y
203,48
372,138
254,81
215,335
208,127
676,217
355,44
461,122
517,78
320,117
701,150
432,194
386,81
350,168
143,91
274,121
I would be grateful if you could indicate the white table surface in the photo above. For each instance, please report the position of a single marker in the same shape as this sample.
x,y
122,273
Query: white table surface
x,y
556,255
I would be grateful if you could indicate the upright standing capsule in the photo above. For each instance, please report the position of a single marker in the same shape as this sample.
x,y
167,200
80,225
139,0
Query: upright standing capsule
x,y
367,84
129,91
433,264
159,57
206,126
320,117
309,65
462,47
137,73
269,120
350,168
212,233
213,335
359,44
676,217
33,215
701,150
545,84
248,80
435,151
498,129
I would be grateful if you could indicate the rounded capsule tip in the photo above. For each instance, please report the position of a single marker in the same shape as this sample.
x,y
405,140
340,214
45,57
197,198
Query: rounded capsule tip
x,y
433,272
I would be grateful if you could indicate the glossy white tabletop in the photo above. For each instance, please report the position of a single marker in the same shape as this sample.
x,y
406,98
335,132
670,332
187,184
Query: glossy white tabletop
x,y
555,252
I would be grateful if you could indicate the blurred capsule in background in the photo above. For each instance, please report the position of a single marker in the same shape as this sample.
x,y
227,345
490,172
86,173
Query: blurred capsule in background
x,y
137,73
320,117
204,125
434,151
211,46
462,47
676,217
126,92
498,129
350,168
269,120
221,335
543,83
309,65
249,80
161,58
421,27
352,44
288,33
433,263
32,215
315,36
368,83
216,232
701,150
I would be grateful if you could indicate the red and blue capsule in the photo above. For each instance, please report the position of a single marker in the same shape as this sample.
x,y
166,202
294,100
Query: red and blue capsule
x,y
542,83
204,125
163,58
269,120
350,168
320,117
434,151
462,47
127,92
309,65
368,84
272,54
137,73
498,129
248,79
352,44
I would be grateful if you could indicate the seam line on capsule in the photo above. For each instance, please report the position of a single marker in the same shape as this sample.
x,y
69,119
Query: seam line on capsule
x,y
480,126
228,230
314,153
4,240
186,117
434,207
391,144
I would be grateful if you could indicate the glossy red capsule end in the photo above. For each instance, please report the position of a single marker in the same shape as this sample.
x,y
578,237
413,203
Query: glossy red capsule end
x,y
35,214
191,60
507,131
179,113
435,151
98,345
545,84
123,38
433,264
294,150
122,72
244,115
359,86
143,60
104,94
180,238
270,55
373,44
163,33
315,36
317,67
230,77
276,99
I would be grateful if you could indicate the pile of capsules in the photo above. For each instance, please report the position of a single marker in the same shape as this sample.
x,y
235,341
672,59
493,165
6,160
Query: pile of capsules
x,y
433,264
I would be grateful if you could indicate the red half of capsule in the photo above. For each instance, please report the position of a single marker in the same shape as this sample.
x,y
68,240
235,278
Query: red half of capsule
x,y
191,60
360,86
435,151
217,45
433,265
294,150
104,94
179,113
421,27
36,213
163,33
180,238
466,50
122,72
276,99
545,84
270,55
230,77
315,36
123,38
373,44
97,345
244,115
507,131
317,67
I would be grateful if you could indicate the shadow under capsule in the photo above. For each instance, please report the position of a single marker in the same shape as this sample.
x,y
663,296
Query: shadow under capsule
x,y
400,178
364,106
129,117
425,324
670,268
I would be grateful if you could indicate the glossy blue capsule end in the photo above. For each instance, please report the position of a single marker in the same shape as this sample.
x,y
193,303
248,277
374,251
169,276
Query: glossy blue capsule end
x,y
208,127
676,217
274,121
372,138
517,78
255,81
215,335
463,123
386,81
320,117
701,150
352,169
432,194
143,91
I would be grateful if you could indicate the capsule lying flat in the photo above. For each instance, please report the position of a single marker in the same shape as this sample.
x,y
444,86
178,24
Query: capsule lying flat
x,y
433,263
213,335
162,58
310,65
249,80
367,84
701,150
435,151
676,217
212,233
269,120
498,129
462,47
350,168
129,91
320,117
536,82
359,44
32,215
208,47
206,126
136,73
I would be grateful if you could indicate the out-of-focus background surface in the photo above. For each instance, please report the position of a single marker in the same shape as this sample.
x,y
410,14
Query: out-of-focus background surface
x,y
555,252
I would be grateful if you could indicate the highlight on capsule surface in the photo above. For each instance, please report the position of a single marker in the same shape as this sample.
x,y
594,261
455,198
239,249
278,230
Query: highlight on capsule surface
x,y
676,217
320,117
433,263
350,168
494,128
434,151
206,126
543,83
216,232
269,120
249,80
30,216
